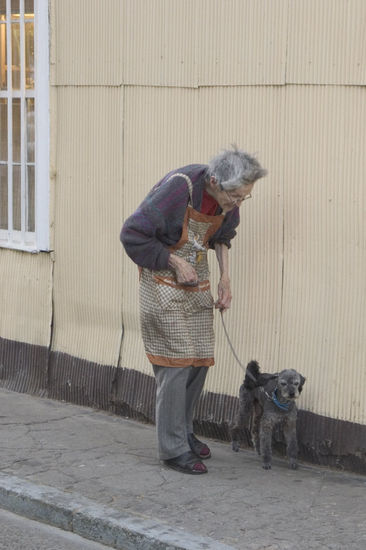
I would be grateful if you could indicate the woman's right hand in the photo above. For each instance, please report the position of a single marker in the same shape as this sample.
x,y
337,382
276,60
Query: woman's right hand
x,y
184,271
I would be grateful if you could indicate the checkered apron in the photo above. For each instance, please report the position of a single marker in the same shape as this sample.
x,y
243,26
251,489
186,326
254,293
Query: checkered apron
x,y
177,320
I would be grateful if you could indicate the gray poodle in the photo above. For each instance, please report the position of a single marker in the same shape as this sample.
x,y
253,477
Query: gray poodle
x,y
266,400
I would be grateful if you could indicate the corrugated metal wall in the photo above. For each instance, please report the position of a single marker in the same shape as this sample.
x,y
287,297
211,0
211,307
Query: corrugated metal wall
x,y
141,87
326,42
26,297
324,292
88,211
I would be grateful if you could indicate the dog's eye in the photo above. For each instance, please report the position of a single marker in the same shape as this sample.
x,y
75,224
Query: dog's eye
x,y
296,383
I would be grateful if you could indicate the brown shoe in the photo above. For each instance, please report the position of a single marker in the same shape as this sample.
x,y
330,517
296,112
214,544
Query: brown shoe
x,y
187,463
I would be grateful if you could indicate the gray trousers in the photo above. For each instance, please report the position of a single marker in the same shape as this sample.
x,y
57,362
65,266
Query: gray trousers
x,y
177,392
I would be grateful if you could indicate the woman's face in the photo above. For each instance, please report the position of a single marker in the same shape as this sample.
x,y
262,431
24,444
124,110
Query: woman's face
x,y
229,199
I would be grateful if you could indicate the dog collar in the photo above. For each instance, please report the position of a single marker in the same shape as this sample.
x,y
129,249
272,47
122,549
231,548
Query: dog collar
x,y
282,406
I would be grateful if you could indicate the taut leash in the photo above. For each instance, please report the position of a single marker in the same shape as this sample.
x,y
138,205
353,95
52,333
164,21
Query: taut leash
x,y
231,346
247,373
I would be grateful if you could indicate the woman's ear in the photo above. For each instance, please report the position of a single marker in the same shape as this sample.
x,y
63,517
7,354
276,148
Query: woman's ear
x,y
215,186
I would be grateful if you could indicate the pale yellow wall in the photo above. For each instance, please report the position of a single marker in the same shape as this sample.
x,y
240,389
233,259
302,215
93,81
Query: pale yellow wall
x,y
88,211
205,43
326,42
142,87
174,85
26,297
170,42
324,298
87,42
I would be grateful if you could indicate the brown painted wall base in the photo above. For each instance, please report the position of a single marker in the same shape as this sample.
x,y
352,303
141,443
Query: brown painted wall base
x,y
126,392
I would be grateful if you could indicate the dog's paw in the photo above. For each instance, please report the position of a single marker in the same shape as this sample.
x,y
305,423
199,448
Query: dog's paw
x,y
235,445
266,466
293,465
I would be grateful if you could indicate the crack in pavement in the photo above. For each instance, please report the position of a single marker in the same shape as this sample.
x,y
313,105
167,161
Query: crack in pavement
x,y
48,421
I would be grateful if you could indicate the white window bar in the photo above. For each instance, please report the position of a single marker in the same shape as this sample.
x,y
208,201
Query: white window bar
x,y
42,123
23,130
25,231
10,120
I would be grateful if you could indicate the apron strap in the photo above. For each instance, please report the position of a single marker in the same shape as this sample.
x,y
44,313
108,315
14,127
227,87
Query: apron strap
x,y
189,183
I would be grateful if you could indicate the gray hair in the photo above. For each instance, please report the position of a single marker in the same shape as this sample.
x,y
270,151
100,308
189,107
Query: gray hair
x,y
234,168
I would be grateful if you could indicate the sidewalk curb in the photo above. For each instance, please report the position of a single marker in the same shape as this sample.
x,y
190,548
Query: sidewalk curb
x,y
95,522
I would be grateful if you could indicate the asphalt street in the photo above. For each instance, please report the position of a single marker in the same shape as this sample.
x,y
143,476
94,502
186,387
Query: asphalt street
x,y
19,533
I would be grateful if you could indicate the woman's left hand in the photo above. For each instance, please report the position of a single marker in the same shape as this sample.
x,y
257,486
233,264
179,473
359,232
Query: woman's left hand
x,y
224,292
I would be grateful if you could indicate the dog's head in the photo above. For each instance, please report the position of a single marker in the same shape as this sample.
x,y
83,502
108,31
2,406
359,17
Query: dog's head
x,y
290,383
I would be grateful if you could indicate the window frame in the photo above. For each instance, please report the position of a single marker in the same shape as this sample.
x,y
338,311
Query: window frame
x,y
39,239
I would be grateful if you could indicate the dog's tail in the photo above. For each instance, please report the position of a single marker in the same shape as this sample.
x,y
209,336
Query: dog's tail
x,y
251,375
254,378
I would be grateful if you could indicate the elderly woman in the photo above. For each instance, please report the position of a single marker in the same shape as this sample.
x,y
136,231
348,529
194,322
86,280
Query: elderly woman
x,y
189,211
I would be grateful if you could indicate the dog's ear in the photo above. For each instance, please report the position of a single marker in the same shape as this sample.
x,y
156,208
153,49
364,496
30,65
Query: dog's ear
x,y
302,382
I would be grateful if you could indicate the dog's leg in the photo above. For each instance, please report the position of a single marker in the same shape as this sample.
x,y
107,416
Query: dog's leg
x,y
258,411
242,420
265,437
235,436
289,431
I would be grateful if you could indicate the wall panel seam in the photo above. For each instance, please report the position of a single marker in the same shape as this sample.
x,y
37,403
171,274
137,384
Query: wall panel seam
x,y
213,86
52,332
287,39
119,358
283,236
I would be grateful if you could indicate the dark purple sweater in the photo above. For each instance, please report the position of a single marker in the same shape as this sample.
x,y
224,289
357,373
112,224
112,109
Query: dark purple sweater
x,y
157,223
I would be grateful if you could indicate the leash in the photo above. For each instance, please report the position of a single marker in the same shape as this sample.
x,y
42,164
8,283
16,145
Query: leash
x,y
272,397
233,350
230,344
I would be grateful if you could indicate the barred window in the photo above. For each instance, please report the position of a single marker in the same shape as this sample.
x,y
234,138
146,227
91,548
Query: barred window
x,y
24,124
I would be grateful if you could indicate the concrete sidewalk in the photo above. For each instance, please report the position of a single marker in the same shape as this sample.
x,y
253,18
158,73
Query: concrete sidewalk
x,y
98,475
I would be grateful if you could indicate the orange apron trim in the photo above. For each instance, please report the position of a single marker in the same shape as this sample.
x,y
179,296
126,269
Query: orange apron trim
x,y
171,281
214,221
175,362
184,236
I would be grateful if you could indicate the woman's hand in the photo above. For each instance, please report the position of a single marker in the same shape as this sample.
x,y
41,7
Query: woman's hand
x,y
224,292
184,271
